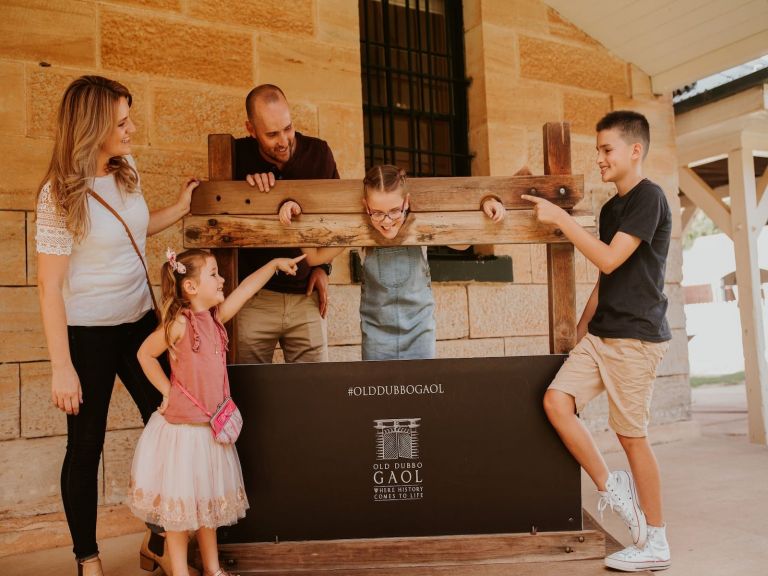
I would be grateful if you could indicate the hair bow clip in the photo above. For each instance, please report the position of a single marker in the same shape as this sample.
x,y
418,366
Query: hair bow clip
x,y
176,266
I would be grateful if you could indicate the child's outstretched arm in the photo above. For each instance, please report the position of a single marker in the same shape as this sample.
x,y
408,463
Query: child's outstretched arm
x,y
254,282
318,256
607,257
150,351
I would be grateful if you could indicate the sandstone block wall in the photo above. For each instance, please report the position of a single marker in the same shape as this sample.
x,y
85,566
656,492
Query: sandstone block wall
x,y
189,65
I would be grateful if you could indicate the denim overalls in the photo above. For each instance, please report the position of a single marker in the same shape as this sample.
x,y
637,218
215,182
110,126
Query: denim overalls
x,y
396,306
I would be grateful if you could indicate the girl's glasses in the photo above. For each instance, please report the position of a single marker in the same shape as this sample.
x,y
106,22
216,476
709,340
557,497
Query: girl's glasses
x,y
394,215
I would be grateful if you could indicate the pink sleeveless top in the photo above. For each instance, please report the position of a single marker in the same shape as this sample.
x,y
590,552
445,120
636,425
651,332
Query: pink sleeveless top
x,y
200,365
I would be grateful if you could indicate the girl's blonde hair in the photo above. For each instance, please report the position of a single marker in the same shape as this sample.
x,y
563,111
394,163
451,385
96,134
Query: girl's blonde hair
x,y
384,178
86,117
171,280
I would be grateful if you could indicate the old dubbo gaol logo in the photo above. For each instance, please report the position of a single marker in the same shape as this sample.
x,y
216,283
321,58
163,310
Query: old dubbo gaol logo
x,y
397,438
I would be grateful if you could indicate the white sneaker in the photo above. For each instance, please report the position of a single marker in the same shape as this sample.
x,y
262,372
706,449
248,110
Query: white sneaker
x,y
621,495
653,556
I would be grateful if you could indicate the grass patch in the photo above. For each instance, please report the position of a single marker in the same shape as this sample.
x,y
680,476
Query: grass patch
x,y
725,379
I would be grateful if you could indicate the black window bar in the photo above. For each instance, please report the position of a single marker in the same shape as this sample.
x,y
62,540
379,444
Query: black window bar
x,y
414,86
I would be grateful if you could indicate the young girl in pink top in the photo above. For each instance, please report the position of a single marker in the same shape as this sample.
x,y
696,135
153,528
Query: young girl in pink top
x,y
182,478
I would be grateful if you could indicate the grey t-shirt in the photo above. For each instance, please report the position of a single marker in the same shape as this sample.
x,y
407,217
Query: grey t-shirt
x,y
631,301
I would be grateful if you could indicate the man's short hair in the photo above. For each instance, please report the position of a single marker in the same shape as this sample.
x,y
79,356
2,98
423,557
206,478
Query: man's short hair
x,y
632,126
267,93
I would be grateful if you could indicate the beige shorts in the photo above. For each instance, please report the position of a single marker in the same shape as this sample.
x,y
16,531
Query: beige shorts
x,y
625,368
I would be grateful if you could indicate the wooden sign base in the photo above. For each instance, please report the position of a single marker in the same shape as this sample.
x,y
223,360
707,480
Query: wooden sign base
x,y
484,555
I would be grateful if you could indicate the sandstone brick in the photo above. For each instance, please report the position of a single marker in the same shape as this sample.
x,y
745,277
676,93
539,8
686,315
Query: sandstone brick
x,y
12,103
117,458
123,413
175,49
310,69
46,87
344,353
676,310
13,248
671,399
24,164
676,359
528,15
539,263
295,18
9,401
559,26
342,127
526,345
675,262
472,14
31,249
34,487
580,266
172,162
21,331
640,82
479,145
470,348
170,5
342,268
592,69
451,311
521,260
344,314
523,104
583,111
500,58
21,534
61,32
338,22
39,417
583,291
507,149
507,310
185,117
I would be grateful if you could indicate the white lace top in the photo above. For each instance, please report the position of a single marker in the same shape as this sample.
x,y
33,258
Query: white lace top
x,y
105,283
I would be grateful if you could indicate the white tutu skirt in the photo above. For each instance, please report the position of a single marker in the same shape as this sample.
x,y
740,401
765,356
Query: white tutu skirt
x,y
182,479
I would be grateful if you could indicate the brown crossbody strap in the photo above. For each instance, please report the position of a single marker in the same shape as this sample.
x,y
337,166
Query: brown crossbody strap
x,y
104,203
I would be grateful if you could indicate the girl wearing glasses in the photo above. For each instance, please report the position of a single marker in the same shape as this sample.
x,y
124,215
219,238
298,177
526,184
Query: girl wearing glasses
x,y
396,303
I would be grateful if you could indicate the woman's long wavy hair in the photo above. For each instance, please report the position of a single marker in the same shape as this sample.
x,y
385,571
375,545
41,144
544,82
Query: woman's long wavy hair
x,y
86,117
174,297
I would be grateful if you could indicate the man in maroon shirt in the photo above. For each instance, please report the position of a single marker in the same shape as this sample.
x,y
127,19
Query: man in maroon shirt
x,y
289,309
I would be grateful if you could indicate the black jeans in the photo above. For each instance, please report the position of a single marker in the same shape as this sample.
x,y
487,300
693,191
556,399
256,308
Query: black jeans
x,y
98,354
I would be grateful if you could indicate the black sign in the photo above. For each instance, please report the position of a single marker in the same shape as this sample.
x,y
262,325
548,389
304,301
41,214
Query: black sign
x,y
401,448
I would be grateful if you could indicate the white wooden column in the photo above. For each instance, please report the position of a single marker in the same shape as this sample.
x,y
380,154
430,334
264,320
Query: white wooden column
x,y
745,228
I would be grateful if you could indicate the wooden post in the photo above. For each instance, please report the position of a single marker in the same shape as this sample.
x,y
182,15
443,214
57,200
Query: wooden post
x,y
221,166
561,275
745,228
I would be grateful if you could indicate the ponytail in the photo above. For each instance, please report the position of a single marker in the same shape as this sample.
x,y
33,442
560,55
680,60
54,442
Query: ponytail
x,y
185,266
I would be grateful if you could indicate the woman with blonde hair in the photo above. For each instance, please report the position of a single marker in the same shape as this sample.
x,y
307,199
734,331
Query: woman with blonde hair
x,y
95,298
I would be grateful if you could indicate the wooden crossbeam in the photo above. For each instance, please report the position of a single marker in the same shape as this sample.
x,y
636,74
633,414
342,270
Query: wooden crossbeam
x,y
421,229
345,196
705,198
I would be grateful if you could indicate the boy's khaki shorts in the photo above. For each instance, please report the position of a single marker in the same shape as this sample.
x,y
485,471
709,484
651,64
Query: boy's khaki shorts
x,y
625,368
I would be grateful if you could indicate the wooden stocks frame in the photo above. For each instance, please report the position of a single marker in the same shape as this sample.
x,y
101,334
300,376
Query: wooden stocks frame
x,y
227,215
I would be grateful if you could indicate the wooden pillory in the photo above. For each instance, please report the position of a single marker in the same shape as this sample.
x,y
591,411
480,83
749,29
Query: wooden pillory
x,y
227,215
